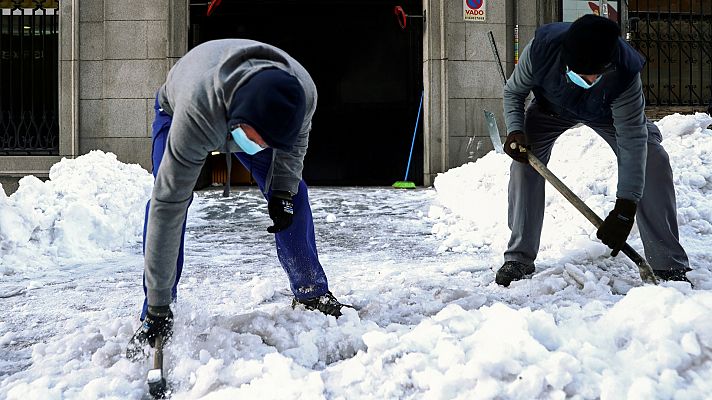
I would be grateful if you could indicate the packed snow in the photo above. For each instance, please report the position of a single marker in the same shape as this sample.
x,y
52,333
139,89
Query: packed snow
x,y
89,206
419,266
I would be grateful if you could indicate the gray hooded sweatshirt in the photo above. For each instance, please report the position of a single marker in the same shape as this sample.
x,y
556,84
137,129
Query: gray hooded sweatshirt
x,y
197,93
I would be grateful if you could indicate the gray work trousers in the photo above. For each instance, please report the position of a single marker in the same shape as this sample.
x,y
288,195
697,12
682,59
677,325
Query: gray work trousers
x,y
657,210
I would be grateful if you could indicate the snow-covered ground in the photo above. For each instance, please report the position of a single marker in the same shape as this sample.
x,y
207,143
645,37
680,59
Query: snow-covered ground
x,y
419,264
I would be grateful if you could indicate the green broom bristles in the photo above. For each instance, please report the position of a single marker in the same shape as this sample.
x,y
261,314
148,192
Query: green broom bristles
x,y
404,185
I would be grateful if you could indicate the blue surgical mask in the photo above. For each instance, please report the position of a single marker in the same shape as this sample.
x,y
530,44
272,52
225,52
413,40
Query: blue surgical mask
x,y
247,145
579,81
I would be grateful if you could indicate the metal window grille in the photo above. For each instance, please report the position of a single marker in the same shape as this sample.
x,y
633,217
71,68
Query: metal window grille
x,y
29,77
675,36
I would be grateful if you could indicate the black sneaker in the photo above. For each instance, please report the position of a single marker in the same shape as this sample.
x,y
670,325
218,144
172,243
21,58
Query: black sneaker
x,y
512,271
325,303
677,274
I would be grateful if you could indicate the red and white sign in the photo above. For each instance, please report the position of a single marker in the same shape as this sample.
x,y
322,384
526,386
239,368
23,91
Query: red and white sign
x,y
474,10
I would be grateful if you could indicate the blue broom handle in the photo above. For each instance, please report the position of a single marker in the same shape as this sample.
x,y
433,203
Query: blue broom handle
x,y
415,131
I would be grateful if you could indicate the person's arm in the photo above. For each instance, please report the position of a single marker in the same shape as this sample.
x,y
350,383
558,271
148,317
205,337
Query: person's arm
x,y
631,137
288,165
516,90
185,153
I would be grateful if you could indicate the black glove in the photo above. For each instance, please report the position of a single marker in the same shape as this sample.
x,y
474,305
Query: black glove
x,y
281,210
511,146
614,230
158,321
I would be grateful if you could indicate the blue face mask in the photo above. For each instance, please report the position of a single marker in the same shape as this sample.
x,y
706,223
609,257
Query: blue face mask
x,y
247,145
579,81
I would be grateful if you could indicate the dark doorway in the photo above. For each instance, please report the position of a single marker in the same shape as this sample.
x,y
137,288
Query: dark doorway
x,y
368,72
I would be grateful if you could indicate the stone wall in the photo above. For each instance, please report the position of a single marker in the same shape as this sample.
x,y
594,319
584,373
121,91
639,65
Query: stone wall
x,y
462,77
123,60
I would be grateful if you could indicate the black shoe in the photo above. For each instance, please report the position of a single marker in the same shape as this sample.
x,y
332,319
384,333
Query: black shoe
x,y
677,274
325,303
512,271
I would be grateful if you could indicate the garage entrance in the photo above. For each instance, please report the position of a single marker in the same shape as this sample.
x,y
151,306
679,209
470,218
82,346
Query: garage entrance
x,y
368,72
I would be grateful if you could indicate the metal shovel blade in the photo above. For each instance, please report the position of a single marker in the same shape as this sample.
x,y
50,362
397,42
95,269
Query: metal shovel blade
x,y
494,132
156,382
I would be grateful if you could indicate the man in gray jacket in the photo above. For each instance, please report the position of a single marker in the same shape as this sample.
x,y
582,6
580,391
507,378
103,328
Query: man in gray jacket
x,y
242,97
583,72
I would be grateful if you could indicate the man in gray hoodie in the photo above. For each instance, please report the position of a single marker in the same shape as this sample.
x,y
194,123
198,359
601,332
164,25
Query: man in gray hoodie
x,y
253,100
583,72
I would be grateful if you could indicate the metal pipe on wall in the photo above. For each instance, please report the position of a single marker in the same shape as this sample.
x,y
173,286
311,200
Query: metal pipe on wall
x,y
516,31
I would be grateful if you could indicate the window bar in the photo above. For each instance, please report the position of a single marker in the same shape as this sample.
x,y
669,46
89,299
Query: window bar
x,y
35,141
647,44
704,52
54,79
13,131
660,39
2,56
709,54
701,40
22,94
677,41
690,57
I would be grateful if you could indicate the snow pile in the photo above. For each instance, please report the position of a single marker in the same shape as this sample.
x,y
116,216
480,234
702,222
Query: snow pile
x,y
89,205
475,198
636,349
690,147
273,354
473,215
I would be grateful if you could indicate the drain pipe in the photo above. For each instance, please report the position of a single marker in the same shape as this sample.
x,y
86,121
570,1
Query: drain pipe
x,y
444,128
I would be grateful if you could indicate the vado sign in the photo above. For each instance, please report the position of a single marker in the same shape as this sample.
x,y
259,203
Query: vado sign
x,y
474,10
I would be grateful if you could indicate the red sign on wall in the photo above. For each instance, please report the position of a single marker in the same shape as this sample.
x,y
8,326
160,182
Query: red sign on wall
x,y
474,10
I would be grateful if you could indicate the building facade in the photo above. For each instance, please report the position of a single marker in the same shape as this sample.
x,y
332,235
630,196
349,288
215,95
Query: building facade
x,y
111,56
96,89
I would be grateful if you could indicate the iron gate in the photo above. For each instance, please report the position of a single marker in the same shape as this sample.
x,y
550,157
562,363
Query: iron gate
x,y
29,77
675,36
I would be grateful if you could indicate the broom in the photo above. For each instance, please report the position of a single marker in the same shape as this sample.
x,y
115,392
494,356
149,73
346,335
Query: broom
x,y
405,184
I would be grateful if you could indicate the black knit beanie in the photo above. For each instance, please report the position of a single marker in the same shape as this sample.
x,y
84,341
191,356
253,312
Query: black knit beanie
x,y
272,102
590,44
